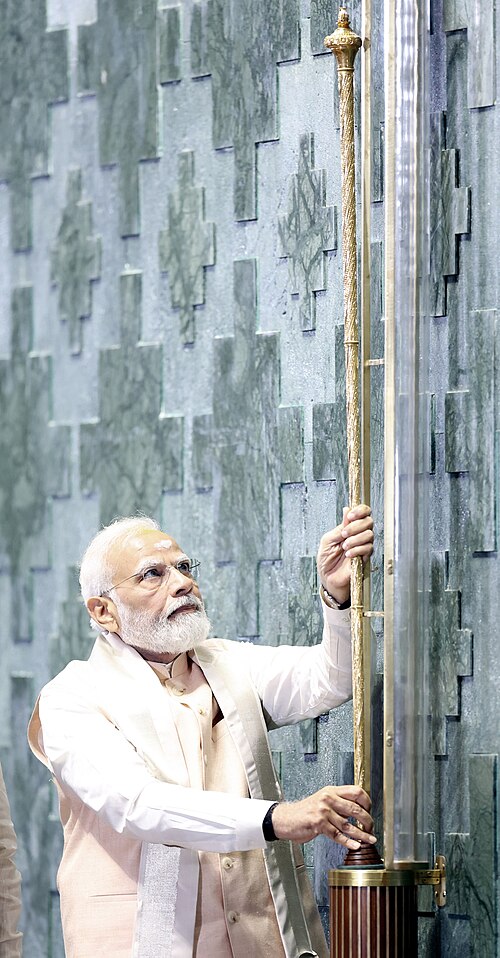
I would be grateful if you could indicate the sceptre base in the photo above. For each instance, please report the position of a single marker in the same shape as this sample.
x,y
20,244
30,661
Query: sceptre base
x,y
373,910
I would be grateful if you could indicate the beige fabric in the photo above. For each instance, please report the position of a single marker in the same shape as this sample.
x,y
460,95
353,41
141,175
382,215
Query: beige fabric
x,y
233,890
118,685
10,882
235,913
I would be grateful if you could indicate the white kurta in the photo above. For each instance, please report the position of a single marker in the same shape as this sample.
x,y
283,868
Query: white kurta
x,y
94,731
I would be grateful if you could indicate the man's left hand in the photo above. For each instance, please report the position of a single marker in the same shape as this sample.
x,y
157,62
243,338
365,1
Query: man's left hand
x,y
353,537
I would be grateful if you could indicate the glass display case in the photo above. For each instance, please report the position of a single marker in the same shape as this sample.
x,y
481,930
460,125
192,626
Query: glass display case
x,y
406,665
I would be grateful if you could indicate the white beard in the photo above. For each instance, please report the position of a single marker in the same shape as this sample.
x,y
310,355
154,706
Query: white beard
x,y
153,632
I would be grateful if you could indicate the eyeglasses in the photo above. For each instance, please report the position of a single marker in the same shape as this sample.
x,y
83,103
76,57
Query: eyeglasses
x,y
155,575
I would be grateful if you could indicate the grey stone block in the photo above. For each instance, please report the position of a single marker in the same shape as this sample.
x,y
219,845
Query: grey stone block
x,y
34,73
471,858
242,59
118,61
307,232
478,19
122,456
187,246
75,260
34,453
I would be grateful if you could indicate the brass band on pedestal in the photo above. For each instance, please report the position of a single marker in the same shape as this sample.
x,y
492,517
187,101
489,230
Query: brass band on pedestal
x,y
345,45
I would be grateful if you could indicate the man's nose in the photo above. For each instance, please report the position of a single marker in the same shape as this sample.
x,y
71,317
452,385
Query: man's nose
x,y
178,583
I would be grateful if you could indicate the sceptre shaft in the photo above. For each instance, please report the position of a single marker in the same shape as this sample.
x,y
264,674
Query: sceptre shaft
x,y
345,45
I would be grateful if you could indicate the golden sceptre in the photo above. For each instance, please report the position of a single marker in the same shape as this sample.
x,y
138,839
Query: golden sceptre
x,y
345,45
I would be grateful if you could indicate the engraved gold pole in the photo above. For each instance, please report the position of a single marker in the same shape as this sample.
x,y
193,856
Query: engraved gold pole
x,y
345,45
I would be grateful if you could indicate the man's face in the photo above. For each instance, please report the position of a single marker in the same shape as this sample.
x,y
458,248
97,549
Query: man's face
x,y
158,603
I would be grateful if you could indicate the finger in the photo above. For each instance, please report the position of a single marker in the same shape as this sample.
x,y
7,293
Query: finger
x,y
348,800
358,512
345,832
366,535
342,839
356,527
360,830
359,834
363,551
361,545
338,835
363,818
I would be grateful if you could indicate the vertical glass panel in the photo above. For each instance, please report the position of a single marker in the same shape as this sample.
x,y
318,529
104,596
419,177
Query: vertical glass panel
x,y
410,663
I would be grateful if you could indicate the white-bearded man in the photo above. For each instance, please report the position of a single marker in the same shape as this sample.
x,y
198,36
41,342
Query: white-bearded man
x,y
177,841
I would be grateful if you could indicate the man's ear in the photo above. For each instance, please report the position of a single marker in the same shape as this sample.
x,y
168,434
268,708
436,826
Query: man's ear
x,y
103,611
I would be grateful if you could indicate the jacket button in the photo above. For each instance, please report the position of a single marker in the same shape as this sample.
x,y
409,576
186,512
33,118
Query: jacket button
x,y
233,916
227,863
178,691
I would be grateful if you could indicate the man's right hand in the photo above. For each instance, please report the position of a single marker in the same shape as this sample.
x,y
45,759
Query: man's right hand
x,y
327,813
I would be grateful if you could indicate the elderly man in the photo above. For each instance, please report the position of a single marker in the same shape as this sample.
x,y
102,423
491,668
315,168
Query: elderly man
x,y
177,842
10,882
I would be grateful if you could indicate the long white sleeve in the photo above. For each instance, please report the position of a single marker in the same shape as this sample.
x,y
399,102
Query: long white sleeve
x,y
94,761
299,682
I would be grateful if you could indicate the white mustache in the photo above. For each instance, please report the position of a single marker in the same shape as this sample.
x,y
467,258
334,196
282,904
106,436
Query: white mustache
x,y
188,601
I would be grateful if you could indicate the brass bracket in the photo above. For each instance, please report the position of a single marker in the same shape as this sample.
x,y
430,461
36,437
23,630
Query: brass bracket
x,y
435,876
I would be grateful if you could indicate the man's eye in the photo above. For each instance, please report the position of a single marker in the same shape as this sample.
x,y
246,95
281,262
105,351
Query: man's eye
x,y
184,566
152,573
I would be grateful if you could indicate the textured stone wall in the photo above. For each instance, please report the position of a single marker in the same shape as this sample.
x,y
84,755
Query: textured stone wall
x,y
171,341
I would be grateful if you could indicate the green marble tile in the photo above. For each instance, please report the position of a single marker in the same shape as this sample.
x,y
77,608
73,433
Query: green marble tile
x,y
117,60
187,246
330,433
202,446
458,428
169,29
31,806
307,231
484,390
471,858
479,21
246,466
323,23
75,638
291,443
426,412
242,59
450,654
75,261
34,73
198,39
132,453
450,206
34,453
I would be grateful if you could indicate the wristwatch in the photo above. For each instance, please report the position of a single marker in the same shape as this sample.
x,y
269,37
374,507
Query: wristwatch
x,y
267,824
331,601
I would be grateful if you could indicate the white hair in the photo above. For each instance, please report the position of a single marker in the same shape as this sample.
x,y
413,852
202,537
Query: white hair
x,y
96,575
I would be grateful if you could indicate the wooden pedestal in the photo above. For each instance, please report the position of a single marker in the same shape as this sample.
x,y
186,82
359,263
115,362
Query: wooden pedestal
x,y
373,913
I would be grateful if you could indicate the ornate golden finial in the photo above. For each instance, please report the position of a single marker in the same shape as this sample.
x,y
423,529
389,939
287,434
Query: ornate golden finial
x,y
343,20
344,43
